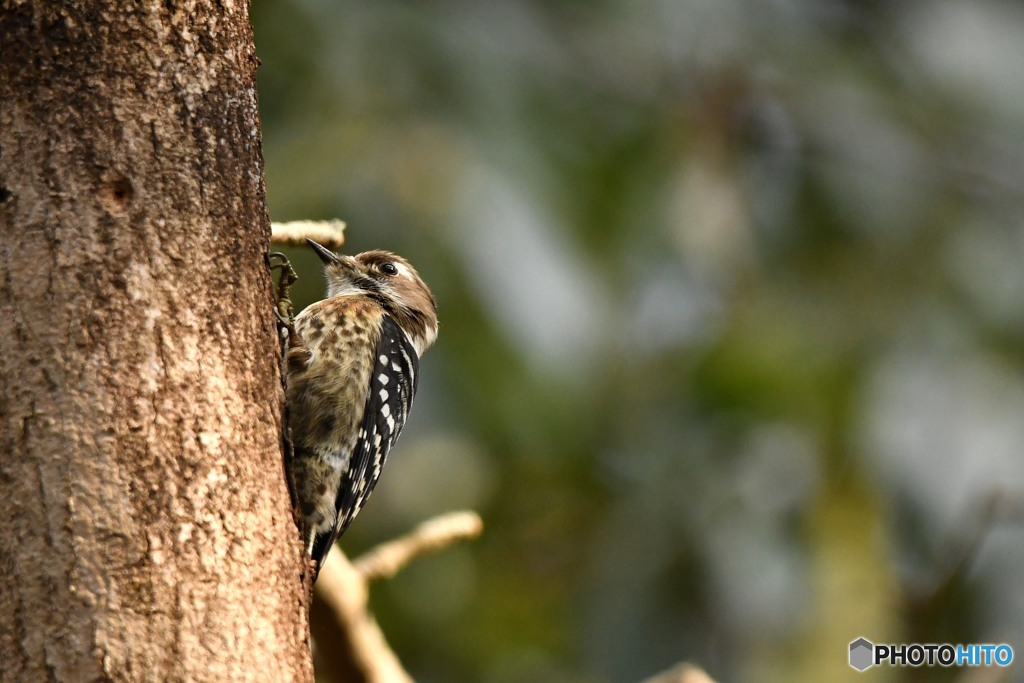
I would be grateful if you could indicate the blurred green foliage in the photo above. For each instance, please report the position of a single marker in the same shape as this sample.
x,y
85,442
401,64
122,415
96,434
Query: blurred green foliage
x,y
731,298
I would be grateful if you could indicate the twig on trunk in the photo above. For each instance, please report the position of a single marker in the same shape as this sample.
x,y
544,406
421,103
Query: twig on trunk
x,y
331,234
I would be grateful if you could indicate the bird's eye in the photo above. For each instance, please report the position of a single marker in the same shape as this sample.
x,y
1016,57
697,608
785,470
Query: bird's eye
x,y
389,268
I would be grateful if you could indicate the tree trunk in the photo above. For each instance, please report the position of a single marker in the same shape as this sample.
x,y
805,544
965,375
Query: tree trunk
x,y
145,523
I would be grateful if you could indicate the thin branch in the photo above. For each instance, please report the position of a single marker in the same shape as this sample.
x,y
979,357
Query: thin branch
x,y
331,234
961,549
681,673
387,559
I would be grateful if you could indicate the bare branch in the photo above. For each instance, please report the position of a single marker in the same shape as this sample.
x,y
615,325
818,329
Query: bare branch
x,y
681,673
350,646
331,234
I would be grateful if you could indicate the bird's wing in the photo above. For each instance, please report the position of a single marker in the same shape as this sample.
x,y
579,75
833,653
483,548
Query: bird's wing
x,y
393,384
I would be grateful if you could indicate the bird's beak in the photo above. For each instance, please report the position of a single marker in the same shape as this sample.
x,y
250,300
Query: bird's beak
x,y
325,254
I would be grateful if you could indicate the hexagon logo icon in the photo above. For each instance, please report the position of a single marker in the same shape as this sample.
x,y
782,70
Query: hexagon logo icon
x,y
862,654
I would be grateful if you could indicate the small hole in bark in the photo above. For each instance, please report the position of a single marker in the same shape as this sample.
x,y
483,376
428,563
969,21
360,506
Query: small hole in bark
x,y
5,194
116,194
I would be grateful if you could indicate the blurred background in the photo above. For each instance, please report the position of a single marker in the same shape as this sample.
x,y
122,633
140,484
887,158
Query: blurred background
x,y
732,300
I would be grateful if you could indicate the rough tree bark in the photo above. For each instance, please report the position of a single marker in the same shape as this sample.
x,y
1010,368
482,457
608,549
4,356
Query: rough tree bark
x,y
145,524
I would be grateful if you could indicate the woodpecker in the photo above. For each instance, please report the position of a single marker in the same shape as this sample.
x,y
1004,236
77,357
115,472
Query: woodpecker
x,y
352,371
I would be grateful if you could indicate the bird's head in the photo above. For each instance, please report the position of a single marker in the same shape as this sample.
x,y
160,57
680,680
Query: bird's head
x,y
389,280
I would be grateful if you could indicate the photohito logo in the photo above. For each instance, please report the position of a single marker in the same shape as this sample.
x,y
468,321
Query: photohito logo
x,y
864,654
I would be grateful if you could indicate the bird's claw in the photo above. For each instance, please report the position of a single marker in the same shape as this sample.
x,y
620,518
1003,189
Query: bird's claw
x,y
283,310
